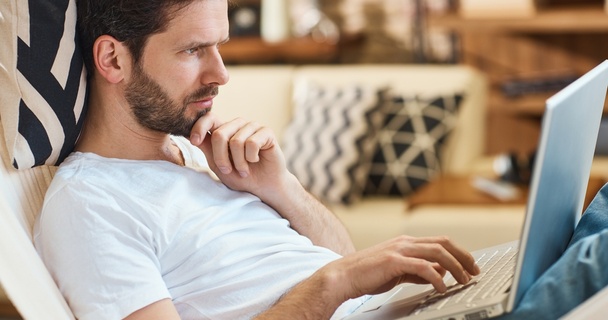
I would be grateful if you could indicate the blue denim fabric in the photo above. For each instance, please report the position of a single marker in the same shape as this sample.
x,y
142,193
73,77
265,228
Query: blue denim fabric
x,y
578,274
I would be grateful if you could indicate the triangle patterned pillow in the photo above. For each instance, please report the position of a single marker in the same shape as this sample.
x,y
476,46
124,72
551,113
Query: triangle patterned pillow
x,y
409,146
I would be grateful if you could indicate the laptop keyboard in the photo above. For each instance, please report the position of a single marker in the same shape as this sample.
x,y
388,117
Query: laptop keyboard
x,y
497,269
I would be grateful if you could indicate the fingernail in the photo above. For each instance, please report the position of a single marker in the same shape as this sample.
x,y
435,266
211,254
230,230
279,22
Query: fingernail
x,y
243,174
224,170
195,139
442,288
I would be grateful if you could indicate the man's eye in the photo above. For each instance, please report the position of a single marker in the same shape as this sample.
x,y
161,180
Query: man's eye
x,y
191,50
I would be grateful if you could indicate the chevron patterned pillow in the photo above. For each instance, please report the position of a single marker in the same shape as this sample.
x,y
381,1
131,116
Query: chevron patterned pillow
x,y
43,80
329,143
409,144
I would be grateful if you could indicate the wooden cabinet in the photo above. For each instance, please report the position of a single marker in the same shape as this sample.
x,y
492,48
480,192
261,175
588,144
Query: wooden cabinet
x,y
536,55
254,50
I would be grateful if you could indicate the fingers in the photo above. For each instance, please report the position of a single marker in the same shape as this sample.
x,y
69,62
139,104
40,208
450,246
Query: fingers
x,y
437,253
464,259
230,142
236,144
432,257
422,271
202,127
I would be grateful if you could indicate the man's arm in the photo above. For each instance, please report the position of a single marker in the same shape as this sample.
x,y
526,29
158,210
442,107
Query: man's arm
x,y
159,310
246,156
371,271
311,218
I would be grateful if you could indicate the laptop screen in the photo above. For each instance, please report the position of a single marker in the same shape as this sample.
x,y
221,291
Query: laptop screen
x,y
561,172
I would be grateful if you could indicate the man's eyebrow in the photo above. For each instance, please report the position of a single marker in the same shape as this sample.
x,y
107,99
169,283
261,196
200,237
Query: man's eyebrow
x,y
198,44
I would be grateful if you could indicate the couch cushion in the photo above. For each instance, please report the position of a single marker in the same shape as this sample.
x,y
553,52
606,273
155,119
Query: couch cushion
x,y
410,142
257,93
467,140
43,80
329,143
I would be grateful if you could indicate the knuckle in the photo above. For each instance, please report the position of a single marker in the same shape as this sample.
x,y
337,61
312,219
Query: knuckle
x,y
268,131
236,142
393,257
444,240
255,124
404,239
250,143
219,136
422,266
436,249
402,243
239,120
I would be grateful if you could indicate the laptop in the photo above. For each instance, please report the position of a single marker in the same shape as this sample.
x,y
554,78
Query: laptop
x,y
568,138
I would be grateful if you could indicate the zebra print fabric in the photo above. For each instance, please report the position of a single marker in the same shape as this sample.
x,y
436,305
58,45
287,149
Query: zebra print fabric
x,y
329,142
43,80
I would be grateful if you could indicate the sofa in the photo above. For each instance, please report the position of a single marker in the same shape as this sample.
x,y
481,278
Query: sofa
x,y
266,94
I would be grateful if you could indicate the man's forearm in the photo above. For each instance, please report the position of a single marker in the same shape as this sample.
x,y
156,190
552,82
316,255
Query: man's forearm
x,y
311,218
311,299
321,225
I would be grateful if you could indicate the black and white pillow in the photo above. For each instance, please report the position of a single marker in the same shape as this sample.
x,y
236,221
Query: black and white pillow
x,y
409,147
329,143
43,80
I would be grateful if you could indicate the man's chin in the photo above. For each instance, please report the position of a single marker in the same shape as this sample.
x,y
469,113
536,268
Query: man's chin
x,y
203,112
184,132
187,129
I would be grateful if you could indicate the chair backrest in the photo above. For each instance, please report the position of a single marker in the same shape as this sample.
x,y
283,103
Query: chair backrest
x,y
23,275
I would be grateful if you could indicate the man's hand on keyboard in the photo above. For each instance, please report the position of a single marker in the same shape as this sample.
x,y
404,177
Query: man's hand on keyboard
x,y
403,260
376,270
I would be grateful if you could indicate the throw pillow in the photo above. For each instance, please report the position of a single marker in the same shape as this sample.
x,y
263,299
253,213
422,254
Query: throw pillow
x,y
43,80
409,144
329,143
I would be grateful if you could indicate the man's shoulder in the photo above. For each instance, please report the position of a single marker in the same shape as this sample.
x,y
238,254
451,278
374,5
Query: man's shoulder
x,y
82,174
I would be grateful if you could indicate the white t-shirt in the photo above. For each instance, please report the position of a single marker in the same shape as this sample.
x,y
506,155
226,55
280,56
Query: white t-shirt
x,y
118,235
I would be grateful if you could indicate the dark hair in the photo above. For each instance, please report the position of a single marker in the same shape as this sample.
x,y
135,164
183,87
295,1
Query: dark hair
x,y
129,21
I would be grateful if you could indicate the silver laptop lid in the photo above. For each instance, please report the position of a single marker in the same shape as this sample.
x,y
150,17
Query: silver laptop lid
x,y
569,133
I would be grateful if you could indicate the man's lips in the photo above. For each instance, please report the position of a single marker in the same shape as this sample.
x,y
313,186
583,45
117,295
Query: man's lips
x,y
204,103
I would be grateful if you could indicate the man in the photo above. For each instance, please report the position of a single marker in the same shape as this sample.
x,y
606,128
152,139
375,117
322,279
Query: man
x,y
147,234
132,227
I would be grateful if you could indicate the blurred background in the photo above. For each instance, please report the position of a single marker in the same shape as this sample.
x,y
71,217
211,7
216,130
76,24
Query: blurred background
x,y
528,49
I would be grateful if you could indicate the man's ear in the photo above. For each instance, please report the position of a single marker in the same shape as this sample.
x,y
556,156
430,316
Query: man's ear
x,y
111,58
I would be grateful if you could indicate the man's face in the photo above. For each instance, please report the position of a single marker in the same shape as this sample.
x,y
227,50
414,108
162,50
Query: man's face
x,y
154,109
180,71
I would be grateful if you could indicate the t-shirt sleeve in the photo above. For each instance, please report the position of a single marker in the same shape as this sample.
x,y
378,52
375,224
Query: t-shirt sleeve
x,y
103,260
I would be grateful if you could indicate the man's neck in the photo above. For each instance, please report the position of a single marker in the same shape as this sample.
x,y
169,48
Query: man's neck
x,y
111,131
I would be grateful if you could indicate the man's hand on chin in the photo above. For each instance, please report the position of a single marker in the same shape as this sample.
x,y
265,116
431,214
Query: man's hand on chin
x,y
244,155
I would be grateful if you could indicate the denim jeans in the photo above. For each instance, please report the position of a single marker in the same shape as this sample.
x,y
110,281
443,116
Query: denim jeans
x,y
578,274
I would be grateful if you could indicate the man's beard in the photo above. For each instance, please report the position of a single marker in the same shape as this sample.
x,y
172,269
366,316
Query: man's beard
x,y
154,109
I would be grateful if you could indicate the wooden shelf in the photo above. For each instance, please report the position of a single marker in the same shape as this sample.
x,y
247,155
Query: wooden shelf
x,y
561,38
254,50
560,19
529,105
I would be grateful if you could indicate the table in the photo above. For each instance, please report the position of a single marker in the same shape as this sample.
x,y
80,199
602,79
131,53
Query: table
x,y
459,190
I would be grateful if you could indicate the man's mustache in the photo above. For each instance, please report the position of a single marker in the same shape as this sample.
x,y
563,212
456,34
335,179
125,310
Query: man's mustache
x,y
202,93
